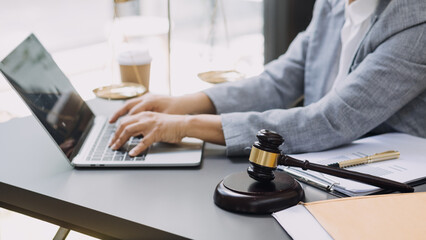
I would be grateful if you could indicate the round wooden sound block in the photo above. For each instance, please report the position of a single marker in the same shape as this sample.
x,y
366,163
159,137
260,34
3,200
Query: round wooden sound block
x,y
240,193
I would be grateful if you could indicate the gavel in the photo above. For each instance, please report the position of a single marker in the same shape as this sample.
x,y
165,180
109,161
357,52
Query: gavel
x,y
261,190
265,156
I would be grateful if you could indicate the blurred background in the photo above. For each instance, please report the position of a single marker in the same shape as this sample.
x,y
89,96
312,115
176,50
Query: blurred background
x,y
83,35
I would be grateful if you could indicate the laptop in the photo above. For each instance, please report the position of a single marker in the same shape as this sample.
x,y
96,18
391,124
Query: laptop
x,y
80,135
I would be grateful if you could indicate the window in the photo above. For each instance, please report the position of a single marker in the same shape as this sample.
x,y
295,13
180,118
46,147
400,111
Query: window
x,y
206,35
60,25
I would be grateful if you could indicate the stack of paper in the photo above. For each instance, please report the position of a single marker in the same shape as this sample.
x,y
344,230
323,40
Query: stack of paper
x,y
409,167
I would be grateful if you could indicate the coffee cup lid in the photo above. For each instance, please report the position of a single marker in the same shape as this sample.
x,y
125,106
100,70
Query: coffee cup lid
x,y
134,56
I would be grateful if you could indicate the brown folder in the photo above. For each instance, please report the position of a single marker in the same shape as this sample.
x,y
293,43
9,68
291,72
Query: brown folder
x,y
392,216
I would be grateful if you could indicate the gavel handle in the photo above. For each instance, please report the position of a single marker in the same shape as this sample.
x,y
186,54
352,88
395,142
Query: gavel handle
x,y
343,173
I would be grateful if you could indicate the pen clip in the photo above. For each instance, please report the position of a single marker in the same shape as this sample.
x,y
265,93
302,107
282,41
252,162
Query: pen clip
x,y
382,156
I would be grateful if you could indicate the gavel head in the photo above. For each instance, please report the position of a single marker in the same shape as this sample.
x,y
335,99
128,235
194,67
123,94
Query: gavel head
x,y
264,156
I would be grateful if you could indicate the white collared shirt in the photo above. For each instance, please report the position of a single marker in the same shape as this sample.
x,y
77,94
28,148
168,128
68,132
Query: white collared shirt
x,y
358,16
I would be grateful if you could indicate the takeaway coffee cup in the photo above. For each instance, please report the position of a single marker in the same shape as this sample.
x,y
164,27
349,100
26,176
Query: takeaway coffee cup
x,y
135,66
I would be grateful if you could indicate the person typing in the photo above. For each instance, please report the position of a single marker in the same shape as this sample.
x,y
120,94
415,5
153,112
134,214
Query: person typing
x,y
360,66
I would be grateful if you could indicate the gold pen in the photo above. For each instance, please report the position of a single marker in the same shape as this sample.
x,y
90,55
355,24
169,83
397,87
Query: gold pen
x,y
368,159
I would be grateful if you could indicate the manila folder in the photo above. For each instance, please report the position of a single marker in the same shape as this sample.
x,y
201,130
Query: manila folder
x,y
392,216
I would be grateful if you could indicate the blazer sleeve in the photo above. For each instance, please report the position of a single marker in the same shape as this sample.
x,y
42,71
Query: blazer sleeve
x,y
279,86
386,80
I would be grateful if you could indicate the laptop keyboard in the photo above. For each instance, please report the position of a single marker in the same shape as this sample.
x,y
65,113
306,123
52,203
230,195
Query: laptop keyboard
x,y
101,151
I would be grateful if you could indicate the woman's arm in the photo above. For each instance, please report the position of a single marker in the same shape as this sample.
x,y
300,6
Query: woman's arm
x,y
385,83
205,127
279,86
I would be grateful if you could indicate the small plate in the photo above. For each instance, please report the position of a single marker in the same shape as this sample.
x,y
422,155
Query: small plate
x,y
220,76
120,91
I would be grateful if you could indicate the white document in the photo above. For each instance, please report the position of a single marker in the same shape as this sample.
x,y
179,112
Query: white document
x,y
409,167
299,223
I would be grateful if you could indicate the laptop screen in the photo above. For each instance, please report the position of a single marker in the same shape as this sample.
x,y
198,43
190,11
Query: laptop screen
x,y
48,93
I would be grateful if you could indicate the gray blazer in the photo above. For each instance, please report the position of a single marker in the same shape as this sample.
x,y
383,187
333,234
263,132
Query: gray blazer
x,y
384,91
